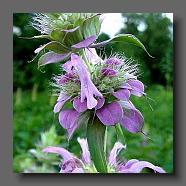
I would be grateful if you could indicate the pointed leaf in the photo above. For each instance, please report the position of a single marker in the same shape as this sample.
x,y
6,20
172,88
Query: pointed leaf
x,y
54,46
72,38
127,38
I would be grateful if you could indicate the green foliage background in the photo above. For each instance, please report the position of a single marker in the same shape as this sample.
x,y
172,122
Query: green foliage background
x,y
35,125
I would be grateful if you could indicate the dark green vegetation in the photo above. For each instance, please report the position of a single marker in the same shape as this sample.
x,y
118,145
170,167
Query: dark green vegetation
x,y
33,104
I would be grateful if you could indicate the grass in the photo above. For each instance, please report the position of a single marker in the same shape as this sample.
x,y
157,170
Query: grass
x,y
34,116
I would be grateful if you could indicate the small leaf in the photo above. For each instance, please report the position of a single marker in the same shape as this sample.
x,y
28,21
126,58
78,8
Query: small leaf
x,y
57,35
72,38
95,138
127,38
54,46
51,57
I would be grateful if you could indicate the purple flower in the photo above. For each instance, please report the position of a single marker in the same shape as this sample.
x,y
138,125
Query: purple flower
x,y
109,72
92,56
122,94
88,89
72,164
131,166
113,61
66,78
136,166
136,87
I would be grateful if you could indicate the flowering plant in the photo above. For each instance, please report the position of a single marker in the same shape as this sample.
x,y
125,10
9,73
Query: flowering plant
x,y
98,89
72,164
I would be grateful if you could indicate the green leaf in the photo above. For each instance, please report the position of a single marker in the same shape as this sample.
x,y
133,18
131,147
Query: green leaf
x,y
72,38
54,46
57,35
95,138
126,38
91,26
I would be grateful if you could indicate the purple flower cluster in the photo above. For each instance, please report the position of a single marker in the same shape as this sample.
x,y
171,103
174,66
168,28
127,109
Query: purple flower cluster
x,y
120,110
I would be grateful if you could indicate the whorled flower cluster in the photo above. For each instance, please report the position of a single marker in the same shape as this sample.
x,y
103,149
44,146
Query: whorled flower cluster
x,y
71,164
103,86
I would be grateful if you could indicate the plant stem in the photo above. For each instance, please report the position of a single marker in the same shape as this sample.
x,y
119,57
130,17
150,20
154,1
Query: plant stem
x,y
120,135
95,138
105,141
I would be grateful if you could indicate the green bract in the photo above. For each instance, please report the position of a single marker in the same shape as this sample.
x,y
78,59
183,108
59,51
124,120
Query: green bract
x,y
67,28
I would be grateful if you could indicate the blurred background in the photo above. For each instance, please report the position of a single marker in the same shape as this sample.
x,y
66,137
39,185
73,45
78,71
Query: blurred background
x,y
35,126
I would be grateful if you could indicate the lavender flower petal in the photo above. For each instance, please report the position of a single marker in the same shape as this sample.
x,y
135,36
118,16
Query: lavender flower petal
x,y
85,43
110,114
66,155
68,66
100,103
62,99
88,89
108,72
65,78
132,118
71,166
80,106
85,152
92,56
122,94
130,163
138,166
78,170
137,87
126,86
127,104
69,120
114,152
113,61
